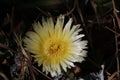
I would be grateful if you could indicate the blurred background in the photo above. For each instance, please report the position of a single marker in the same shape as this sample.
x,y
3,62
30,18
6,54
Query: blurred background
x,y
100,20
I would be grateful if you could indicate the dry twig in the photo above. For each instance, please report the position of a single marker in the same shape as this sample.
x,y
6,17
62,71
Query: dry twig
x,y
3,76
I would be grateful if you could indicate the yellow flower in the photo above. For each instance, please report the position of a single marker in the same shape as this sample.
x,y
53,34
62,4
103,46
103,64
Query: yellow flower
x,y
56,47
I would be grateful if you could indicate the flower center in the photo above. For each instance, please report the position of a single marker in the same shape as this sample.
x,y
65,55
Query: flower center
x,y
55,48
